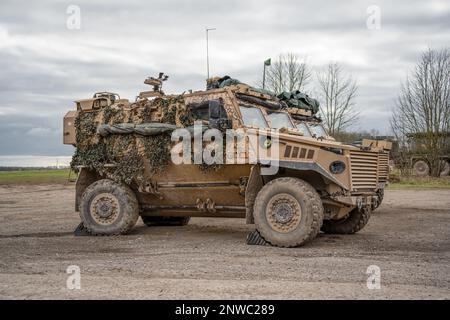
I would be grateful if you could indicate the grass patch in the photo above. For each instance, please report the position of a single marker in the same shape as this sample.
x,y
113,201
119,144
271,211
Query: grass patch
x,y
420,183
44,176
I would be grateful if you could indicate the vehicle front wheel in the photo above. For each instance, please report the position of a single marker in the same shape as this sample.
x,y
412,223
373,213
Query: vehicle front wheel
x,y
352,223
288,212
108,208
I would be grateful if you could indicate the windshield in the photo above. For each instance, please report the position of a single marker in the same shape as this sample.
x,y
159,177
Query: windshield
x,y
253,117
303,128
280,120
318,130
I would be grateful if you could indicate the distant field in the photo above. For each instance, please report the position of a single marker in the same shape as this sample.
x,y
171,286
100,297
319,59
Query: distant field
x,y
36,176
421,183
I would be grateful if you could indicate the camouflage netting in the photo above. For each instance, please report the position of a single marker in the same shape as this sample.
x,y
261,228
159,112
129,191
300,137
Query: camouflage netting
x,y
90,150
121,142
121,156
293,99
297,99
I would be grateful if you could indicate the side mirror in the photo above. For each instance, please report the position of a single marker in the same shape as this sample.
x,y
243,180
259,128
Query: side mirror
x,y
218,118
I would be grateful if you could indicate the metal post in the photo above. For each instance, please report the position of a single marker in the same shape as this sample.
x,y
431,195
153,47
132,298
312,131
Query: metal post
x,y
264,76
207,51
266,63
207,55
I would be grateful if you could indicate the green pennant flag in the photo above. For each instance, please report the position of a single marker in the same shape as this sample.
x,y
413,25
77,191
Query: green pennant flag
x,y
267,62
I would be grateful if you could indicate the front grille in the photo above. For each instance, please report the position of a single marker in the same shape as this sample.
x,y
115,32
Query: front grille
x,y
383,167
364,168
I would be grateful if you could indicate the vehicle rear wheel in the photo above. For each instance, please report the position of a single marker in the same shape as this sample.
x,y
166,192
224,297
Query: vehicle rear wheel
x,y
421,168
445,168
108,208
165,221
352,223
288,212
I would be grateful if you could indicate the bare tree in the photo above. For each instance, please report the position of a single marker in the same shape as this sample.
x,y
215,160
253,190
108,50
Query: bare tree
x,y
422,113
288,72
336,94
401,154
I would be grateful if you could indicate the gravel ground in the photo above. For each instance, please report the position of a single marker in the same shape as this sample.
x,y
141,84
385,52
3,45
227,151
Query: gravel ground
x,y
408,237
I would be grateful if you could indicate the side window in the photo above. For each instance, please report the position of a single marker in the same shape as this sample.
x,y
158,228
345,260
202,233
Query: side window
x,y
218,117
318,130
216,110
253,117
303,128
211,109
280,120
200,110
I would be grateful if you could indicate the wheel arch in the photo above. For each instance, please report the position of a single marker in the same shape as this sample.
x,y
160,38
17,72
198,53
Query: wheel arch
x,y
416,158
85,178
311,173
254,185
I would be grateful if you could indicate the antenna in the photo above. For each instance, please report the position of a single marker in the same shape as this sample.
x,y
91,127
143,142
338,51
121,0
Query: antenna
x,y
207,50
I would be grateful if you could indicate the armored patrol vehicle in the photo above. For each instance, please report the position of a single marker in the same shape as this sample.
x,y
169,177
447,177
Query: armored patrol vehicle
x,y
303,183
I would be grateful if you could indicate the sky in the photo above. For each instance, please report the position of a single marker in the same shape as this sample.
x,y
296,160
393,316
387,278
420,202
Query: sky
x,y
50,55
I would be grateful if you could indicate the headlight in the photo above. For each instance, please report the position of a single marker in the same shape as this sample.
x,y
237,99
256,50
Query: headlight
x,y
265,141
337,167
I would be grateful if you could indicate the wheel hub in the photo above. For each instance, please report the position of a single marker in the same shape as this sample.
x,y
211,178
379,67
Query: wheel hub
x,y
104,208
283,213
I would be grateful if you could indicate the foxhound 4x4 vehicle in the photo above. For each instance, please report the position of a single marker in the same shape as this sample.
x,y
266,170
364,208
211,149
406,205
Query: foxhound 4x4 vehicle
x,y
141,159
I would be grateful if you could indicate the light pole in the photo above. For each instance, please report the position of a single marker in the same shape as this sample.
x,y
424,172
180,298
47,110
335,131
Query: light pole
x,y
266,63
207,51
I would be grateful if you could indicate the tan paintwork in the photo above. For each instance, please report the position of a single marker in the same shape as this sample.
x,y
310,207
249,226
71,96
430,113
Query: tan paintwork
x,y
100,100
69,128
300,112
380,144
231,190
174,185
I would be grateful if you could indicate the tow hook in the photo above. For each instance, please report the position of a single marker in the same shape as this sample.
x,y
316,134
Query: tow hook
x,y
359,203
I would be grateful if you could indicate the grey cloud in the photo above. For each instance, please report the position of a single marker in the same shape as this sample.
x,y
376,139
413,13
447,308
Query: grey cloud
x,y
44,66
32,135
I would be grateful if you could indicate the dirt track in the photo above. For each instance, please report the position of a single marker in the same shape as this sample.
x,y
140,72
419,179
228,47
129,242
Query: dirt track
x,y
408,237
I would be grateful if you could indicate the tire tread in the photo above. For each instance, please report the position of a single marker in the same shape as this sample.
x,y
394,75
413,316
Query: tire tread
x,y
311,196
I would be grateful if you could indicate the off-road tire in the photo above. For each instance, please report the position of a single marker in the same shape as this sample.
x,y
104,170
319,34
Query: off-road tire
x,y
355,221
126,206
311,215
165,221
380,194
421,168
445,168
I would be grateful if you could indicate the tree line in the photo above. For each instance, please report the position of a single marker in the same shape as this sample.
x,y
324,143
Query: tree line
x,y
420,114
335,90
421,117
